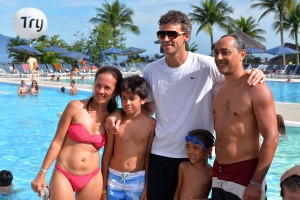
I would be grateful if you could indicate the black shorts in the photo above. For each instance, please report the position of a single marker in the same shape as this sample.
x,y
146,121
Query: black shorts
x,y
163,177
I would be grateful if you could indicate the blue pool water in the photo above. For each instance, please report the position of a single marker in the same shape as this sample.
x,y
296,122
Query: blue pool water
x,y
29,124
282,91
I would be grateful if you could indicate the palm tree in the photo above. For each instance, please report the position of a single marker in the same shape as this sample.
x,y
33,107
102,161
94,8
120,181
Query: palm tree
x,y
278,7
292,22
193,47
210,13
248,26
119,17
17,57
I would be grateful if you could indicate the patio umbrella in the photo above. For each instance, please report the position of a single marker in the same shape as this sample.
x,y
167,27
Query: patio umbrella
x,y
112,50
253,50
74,55
55,49
102,58
26,49
132,50
281,50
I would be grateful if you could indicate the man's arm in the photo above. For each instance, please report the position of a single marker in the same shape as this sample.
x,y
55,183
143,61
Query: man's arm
x,y
149,108
264,110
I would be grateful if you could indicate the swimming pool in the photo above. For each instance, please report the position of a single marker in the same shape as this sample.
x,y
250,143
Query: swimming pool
x,y
282,91
29,124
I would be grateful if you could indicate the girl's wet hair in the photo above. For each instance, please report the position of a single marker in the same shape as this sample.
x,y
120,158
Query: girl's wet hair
x,y
112,104
206,138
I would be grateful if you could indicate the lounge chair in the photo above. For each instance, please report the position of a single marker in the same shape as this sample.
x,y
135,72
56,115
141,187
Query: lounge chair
x,y
9,70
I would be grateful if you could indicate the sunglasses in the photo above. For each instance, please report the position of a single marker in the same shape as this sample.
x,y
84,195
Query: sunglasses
x,y
170,34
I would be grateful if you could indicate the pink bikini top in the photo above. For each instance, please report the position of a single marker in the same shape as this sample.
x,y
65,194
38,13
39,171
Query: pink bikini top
x,y
78,133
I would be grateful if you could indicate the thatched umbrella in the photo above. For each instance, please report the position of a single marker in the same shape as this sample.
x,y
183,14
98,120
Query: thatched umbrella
x,y
249,41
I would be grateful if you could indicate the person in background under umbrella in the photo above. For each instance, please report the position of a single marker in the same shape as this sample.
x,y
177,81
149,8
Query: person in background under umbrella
x,y
33,64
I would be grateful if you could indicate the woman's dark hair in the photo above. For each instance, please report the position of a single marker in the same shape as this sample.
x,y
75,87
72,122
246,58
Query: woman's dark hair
x,y
36,84
206,138
112,104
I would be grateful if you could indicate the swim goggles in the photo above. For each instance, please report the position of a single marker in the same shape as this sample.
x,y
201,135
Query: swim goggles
x,y
194,140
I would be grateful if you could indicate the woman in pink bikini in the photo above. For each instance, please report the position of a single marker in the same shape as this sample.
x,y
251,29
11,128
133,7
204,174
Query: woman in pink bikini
x,y
79,136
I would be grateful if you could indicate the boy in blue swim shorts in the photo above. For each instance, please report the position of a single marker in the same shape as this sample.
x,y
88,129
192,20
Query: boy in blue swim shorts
x,y
126,154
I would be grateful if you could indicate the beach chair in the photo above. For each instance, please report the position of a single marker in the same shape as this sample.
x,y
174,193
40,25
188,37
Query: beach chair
x,y
67,67
56,69
23,69
9,70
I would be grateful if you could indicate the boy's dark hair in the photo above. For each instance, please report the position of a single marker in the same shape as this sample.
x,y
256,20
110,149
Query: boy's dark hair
x,y
135,85
292,184
62,89
206,138
6,178
176,17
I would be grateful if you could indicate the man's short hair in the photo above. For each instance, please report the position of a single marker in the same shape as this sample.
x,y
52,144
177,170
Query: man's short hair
x,y
72,81
6,178
238,41
176,17
292,184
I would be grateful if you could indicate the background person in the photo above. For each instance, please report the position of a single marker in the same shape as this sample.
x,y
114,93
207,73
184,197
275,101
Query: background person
x,y
62,89
6,178
290,172
281,125
80,135
290,186
33,64
241,115
22,89
194,75
34,88
73,89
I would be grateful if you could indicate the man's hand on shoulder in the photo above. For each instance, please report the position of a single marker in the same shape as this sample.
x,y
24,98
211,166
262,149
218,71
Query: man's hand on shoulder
x,y
113,122
255,76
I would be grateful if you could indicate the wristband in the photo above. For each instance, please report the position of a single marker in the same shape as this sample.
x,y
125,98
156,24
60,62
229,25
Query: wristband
x,y
103,191
255,183
43,170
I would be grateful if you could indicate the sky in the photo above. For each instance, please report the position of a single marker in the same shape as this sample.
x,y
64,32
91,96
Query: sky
x,y
66,17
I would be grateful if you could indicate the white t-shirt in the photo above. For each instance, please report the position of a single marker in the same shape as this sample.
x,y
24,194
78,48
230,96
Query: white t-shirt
x,y
183,98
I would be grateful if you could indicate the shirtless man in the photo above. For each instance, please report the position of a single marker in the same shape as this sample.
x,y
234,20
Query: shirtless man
x,y
242,114
126,154
22,89
73,89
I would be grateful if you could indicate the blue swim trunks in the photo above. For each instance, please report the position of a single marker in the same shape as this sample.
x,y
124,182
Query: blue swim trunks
x,y
125,185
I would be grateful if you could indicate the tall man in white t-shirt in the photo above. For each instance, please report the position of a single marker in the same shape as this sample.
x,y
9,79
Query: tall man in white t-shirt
x,y
181,97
